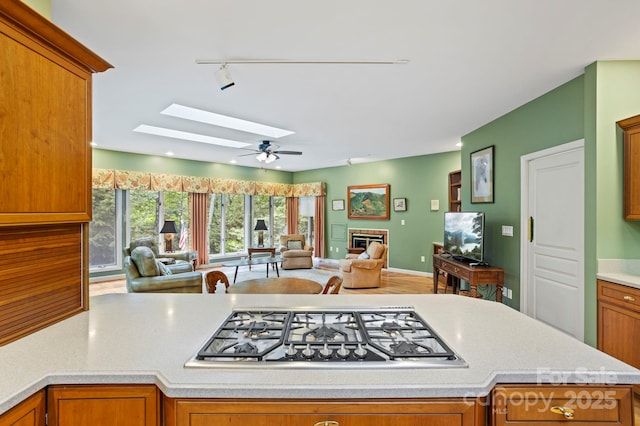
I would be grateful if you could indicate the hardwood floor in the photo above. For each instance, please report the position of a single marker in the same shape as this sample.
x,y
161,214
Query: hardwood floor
x,y
391,283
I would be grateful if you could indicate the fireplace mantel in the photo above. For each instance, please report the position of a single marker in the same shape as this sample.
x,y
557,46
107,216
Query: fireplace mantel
x,y
363,237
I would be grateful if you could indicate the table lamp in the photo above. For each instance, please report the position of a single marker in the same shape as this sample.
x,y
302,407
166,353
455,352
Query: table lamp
x,y
168,228
260,227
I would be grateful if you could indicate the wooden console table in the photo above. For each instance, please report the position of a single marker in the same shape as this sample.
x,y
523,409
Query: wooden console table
x,y
252,250
474,275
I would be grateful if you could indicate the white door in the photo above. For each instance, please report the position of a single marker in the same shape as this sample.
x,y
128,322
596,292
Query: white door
x,y
553,237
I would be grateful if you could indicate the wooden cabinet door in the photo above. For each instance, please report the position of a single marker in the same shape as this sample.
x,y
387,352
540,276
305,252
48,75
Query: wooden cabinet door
x,y
104,405
30,412
548,404
631,127
409,412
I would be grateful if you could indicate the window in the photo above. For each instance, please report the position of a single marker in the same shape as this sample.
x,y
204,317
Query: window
x,y
175,206
261,210
105,230
143,209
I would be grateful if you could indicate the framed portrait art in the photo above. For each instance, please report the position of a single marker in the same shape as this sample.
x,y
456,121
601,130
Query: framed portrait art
x,y
399,204
368,202
337,205
482,173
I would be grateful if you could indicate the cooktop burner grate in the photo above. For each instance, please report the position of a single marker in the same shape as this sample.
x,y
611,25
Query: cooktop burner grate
x,y
331,337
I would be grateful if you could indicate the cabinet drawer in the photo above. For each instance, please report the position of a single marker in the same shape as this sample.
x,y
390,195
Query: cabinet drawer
x,y
619,294
542,405
454,269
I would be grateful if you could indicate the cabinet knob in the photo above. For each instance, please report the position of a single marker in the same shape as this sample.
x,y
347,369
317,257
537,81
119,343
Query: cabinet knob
x,y
629,298
565,411
327,423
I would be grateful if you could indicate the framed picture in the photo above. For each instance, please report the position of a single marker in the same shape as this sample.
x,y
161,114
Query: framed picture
x,y
482,175
368,202
399,204
337,205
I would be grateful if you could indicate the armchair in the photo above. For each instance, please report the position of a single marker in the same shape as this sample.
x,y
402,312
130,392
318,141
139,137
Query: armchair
x,y
363,270
145,274
182,260
295,253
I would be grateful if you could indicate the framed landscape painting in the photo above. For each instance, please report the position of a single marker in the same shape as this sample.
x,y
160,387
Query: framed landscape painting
x,y
368,202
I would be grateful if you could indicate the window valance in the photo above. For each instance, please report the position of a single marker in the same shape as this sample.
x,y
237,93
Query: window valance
x,y
126,179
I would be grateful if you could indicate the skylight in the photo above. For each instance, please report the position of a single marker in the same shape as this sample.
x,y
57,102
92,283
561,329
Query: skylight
x,y
177,134
194,114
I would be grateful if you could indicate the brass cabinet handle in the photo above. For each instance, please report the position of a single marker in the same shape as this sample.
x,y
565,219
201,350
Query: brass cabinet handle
x,y
629,298
327,423
565,411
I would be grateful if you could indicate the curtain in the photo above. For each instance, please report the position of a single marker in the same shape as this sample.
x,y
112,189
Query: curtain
x,y
292,215
198,226
318,246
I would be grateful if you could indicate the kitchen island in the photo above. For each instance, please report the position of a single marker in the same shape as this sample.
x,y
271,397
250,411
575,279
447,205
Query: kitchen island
x,y
147,338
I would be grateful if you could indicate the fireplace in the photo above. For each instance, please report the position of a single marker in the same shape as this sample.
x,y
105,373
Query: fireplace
x,y
359,239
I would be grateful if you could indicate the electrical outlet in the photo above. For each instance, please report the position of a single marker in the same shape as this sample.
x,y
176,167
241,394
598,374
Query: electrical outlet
x,y
337,249
402,222
422,259
331,248
509,294
504,291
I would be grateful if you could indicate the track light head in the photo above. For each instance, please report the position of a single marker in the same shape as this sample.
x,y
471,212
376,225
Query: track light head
x,y
223,77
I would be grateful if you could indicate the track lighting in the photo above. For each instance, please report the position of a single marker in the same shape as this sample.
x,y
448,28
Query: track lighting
x,y
224,77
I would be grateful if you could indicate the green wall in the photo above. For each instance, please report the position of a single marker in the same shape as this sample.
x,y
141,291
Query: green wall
x,y
552,119
104,159
42,6
418,179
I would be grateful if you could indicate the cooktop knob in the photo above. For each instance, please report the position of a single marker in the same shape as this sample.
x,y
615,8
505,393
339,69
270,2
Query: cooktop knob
x,y
308,352
343,352
326,352
360,352
291,351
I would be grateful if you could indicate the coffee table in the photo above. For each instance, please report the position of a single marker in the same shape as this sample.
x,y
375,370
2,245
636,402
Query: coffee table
x,y
284,285
258,261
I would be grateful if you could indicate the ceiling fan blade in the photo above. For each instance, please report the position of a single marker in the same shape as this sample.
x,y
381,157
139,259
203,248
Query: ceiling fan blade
x,y
288,152
251,153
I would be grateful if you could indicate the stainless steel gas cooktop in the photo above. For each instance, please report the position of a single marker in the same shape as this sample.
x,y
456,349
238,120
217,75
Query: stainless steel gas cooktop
x,y
325,338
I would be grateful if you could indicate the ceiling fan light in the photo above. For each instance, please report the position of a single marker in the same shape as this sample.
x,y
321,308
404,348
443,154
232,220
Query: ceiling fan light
x,y
262,156
270,158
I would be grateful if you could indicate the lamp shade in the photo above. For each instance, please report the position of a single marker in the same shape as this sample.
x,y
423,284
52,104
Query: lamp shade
x,y
260,225
169,227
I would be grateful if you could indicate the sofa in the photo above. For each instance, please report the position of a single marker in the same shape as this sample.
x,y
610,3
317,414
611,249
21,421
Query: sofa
x,y
146,274
295,253
363,270
181,262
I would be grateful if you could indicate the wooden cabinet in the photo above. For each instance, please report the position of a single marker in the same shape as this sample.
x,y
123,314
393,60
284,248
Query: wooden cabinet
x,y
30,412
401,412
619,322
546,405
631,127
455,191
103,405
45,158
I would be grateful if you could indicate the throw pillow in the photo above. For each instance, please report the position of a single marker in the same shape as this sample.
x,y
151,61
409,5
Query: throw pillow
x,y
364,255
294,245
164,270
145,261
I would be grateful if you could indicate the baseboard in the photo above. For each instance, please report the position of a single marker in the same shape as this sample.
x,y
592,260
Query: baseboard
x,y
411,272
106,278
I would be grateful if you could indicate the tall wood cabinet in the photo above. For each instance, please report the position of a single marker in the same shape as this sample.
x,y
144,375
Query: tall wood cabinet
x,y
631,128
45,164
455,191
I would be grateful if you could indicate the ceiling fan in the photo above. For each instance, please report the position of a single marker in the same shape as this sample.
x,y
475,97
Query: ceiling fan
x,y
268,154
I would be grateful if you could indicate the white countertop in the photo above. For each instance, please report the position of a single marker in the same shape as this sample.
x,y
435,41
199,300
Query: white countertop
x,y
147,338
620,271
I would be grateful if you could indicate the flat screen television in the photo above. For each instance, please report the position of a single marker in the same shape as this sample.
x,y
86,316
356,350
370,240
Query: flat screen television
x,y
464,235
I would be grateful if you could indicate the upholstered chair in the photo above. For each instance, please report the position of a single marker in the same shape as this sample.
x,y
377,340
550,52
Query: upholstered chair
x,y
363,270
145,274
296,254
181,262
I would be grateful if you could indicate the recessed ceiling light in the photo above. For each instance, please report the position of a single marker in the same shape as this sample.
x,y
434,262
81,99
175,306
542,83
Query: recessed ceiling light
x,y
93,144
233,161
177,134
169,153
202,116
459,144
278,167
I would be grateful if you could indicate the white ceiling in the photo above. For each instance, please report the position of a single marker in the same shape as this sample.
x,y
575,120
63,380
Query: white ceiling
x,y
470,62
